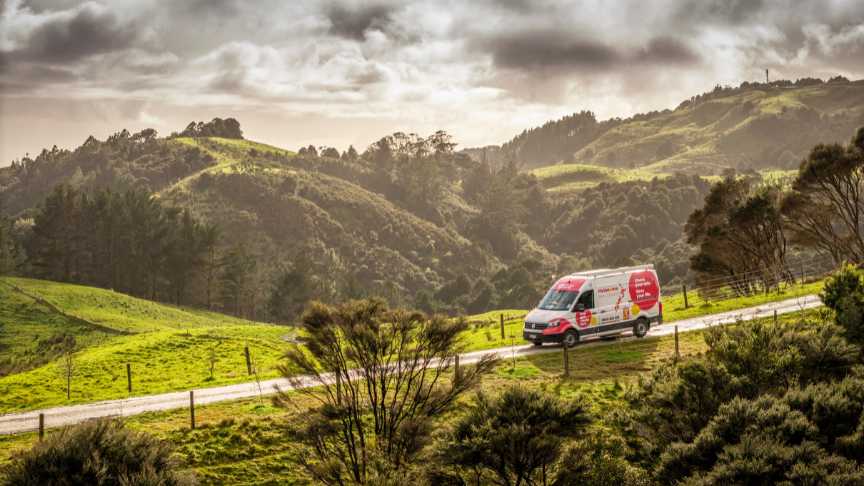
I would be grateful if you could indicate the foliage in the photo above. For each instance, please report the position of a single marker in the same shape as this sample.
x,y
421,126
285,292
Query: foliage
x,y
122,162
101,452
844,294
674,403
740,236
227,128
373,421
124,241
825,206
516,438
292,289
808,435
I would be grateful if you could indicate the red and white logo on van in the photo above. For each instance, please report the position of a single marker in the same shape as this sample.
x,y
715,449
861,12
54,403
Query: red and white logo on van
x,y
644,289
583,319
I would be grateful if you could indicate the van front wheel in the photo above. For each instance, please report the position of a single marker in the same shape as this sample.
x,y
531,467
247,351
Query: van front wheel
x,y
571,337
640,328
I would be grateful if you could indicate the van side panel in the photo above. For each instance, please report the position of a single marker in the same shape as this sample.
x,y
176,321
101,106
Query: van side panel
x,y
608,295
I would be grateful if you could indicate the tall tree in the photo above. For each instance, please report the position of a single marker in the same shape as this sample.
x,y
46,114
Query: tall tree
x,y
739,234
825,207
238,267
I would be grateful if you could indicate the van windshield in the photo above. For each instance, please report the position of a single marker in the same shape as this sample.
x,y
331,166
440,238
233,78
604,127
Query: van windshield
x,y
557,300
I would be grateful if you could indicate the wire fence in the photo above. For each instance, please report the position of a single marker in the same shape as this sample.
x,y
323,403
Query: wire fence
x,y
793,277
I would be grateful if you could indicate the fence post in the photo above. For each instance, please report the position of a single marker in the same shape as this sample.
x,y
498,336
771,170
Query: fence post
x,y
502,326
41,426
566,361
775,316
192,408
677,351
684,291
248,360
129,377
457,373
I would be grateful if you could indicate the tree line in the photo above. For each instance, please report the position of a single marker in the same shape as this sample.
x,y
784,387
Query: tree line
x,y
747,227
131,242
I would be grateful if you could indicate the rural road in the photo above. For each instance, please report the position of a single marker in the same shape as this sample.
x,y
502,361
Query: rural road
x,y
59,416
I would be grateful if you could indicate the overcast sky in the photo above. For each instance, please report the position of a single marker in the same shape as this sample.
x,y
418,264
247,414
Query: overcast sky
x,y
344,72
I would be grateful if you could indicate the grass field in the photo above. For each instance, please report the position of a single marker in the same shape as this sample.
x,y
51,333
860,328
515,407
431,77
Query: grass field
x,y
575,177
170,348
244,442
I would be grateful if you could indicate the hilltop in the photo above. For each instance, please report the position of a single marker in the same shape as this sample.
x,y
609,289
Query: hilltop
x,y
752,126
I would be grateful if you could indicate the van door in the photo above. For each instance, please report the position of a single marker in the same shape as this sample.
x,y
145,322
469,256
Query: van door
x,y
609,296
583,313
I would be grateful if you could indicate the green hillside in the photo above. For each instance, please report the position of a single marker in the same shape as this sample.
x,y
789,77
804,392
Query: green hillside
x,y
751,126
169,348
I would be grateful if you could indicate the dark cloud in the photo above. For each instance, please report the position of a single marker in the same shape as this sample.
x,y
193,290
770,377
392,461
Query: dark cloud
x,y
547,49
726,11
558,50
88,30
666,50
353,22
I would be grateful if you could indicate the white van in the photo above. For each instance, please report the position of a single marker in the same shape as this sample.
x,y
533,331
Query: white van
x,y
597,303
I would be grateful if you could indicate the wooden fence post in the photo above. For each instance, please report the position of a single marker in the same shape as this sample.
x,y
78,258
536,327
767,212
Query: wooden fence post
x,y
192,408
566,361
677,349
684,291
775,316
129,377
248,360
502,327
457,373
41,426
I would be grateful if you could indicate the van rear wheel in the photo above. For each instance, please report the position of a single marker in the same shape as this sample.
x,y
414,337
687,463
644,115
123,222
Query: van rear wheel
x,y
571,337
640,328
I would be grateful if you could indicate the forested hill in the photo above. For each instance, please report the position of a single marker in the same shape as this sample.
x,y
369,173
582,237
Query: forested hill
x,y
752,126
409,219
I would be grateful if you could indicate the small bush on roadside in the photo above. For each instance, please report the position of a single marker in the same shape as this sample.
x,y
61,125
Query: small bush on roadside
x,y
102,452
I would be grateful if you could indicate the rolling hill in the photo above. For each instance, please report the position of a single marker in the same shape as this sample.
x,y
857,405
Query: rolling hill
x,y
753,126
169,348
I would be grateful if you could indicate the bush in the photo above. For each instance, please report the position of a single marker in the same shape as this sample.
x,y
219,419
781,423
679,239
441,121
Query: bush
x,y
808,436
844,294
101,452
675,403
515,438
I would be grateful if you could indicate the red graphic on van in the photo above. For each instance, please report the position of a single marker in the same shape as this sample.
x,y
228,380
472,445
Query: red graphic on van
x,y
583,319
644,289
568,284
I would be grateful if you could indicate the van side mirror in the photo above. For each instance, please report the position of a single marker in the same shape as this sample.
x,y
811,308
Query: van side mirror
x,y
580,307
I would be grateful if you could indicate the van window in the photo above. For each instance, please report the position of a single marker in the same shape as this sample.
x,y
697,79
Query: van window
x,y
557,300
587,299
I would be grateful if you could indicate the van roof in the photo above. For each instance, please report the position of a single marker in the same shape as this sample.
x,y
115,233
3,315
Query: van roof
x,y
609,271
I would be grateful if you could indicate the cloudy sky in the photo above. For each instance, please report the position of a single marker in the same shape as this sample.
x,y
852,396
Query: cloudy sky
x,y
347,72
